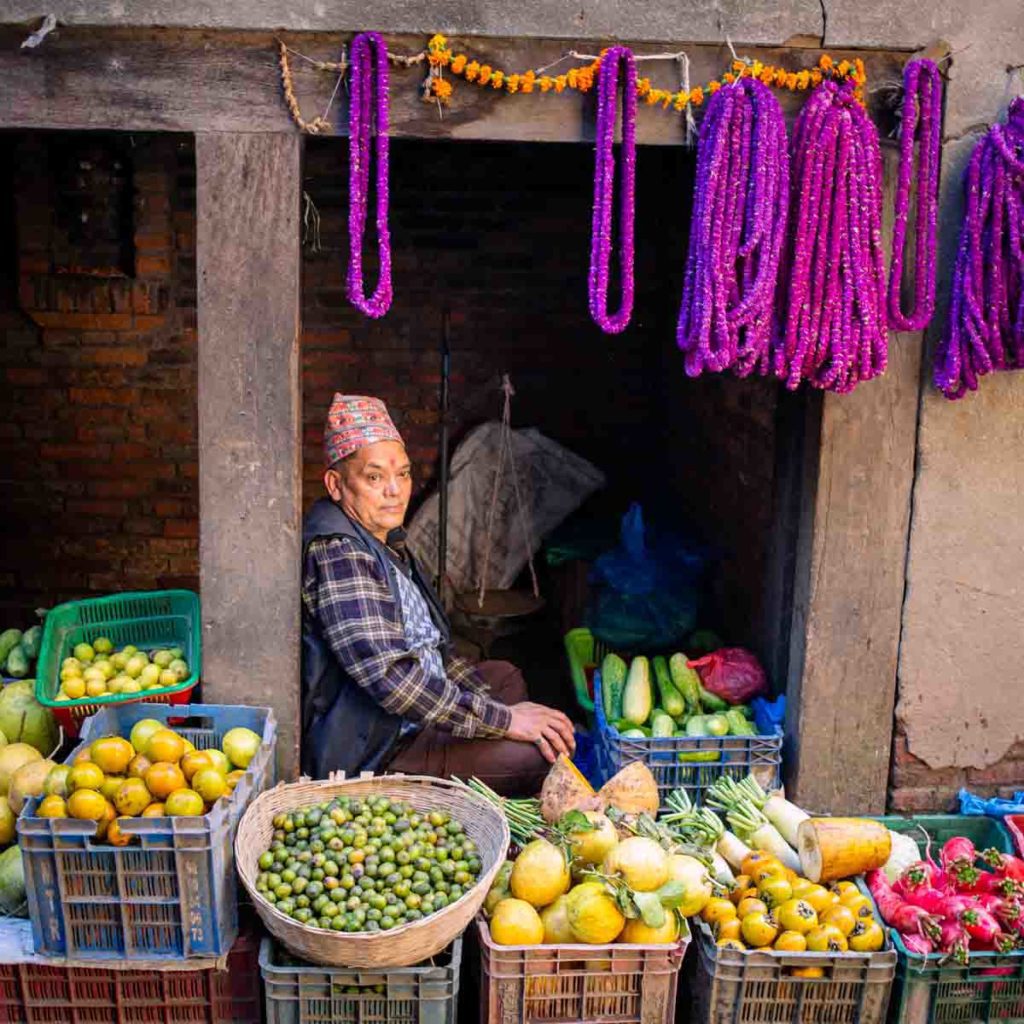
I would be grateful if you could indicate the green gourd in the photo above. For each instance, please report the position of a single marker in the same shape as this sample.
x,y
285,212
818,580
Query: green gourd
x,y
613,682
9,639
637,698
671,699
30,642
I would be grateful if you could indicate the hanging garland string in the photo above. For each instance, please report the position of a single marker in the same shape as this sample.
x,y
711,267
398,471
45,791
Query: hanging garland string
x,y
921,122
834,318
368,90
604,190
985,328
737,232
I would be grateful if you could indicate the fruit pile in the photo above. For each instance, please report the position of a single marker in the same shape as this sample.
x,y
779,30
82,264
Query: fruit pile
x,y
98,670
351,865
19,651
594,888
772,906
153,773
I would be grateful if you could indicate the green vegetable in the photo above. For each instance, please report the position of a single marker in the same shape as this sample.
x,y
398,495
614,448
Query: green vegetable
x,y
717,725
613,680
637,700
17,663
9,638
662,724
671,699
686,682
697,726
709,701
738,724
30,642
634,734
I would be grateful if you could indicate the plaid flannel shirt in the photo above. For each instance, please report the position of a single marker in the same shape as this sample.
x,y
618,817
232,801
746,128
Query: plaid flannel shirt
x,y
342,588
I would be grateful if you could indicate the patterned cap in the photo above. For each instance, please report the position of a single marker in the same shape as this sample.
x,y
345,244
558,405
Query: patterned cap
x,y
353,422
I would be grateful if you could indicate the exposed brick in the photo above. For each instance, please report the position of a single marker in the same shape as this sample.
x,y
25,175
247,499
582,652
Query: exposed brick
x,y
152,266
1003,773
181,528
120,488
166,508
59,452
119,356
88,507
103,396
71,321
920,799
153,241
26,376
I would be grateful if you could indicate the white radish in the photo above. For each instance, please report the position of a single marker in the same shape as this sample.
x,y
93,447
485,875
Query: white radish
x,y
733,850
785,816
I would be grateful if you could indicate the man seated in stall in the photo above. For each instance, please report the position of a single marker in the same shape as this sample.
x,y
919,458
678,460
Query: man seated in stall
x,y
381,689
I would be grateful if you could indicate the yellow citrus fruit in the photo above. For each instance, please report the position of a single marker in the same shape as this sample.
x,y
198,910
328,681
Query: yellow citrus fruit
x,y
195,761
75,687
219,760
556,922
102,645
234,778
132,797
639,933
516,923
592,846
112,754
141,732
85,775
593,915
241,745
183,802
56,783
162,778
110,786
540,874
137,766
84,652
165,745
95,687
52,807
210,784
109,817
154,811
641,862
116,836
86,804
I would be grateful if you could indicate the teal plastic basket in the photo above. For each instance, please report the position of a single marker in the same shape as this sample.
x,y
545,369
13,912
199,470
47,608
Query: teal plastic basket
x,y
147,619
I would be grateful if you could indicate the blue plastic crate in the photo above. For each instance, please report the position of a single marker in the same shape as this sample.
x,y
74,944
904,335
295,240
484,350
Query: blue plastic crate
x,y
302,993
735,756
171,894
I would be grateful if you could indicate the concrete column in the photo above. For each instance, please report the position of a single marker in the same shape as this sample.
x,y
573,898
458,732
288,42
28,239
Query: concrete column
x,y
248,251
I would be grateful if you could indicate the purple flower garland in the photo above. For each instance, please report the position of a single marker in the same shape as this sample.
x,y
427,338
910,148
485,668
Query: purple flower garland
x,y
922,116
737,232
604,189
833,321
360,130
985,327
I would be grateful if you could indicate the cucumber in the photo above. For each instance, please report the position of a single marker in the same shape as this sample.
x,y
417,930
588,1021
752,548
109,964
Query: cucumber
x,y
17,662
671,699
686,682
709,701
717,725
695,726
637,698
662,725
634,734
738,724
613,681
30,642
9,638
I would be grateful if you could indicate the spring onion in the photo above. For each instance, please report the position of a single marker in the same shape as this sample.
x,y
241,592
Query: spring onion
x,y
523,816
703,828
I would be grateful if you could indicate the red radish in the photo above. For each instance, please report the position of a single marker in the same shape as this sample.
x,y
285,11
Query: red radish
x,y
938,903
982,927
918,944
953,941
1002,910
958,852
1004,864
904,917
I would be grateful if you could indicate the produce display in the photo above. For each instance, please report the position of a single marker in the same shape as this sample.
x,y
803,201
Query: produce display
x,y
351,865
154,772
97,669
970,900
19,651
676,697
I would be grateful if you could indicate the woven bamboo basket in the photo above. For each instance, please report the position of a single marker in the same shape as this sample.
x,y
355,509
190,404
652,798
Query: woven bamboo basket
x,y
408,943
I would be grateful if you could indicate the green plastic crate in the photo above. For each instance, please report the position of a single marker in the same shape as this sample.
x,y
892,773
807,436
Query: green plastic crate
x,y
930,990
147,619
583,652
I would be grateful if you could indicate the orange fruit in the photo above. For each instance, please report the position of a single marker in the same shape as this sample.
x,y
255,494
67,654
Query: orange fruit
x,y
162,778
142,730
132,797
195,761
210,785
112,754
85,775
86,804
219,759
184,802
109,817
165,745
116,836
234,778
110,786
52,807
137,766
154,811
80,756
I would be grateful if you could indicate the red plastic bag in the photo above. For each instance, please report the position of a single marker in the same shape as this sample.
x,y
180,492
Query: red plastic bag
x,y
732,673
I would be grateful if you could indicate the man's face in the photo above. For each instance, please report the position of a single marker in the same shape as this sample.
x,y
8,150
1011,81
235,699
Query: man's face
x,y
373,486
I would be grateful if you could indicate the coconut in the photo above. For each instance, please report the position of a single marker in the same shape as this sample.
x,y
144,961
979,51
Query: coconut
x,y
8,821
24,720
12,882
28,781
12,757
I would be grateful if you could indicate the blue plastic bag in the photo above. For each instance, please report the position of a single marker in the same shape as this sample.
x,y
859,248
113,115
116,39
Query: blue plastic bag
x,y
646,589
993,807
769,715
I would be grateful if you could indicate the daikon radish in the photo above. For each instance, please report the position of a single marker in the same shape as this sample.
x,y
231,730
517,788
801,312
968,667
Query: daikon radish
x,y
834,848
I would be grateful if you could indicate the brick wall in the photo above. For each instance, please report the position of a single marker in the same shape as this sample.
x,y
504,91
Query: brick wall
x,y
98,454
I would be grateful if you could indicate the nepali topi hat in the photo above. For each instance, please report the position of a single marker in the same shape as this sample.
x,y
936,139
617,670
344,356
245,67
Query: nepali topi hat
x,y
353,422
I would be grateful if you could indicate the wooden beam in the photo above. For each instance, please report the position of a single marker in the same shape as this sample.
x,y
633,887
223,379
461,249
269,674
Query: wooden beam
x,y
850,582
191,81
248,248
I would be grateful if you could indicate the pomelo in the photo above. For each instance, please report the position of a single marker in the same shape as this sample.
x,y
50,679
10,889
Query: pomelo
x,y
12,882
241,746
24,720
27,781
12,757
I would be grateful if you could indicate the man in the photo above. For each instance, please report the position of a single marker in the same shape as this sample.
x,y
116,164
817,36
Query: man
x,y
381,689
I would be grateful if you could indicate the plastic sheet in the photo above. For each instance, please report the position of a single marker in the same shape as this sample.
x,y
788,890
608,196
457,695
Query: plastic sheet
x,y
994,807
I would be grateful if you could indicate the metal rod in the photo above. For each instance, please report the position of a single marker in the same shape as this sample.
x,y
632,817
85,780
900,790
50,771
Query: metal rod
x,y
442,521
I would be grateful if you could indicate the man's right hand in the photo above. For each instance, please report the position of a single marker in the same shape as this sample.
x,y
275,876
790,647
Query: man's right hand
x,y
549,729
